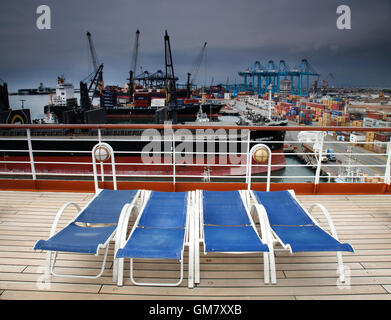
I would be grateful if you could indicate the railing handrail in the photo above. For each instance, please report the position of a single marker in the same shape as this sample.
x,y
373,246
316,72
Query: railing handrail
x,y
184,126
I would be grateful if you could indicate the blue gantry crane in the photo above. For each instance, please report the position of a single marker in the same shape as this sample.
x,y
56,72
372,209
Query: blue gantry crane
x,y
258,78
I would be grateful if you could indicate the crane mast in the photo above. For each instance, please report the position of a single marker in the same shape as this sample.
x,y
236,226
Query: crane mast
x,y
95,79
132,70
172,101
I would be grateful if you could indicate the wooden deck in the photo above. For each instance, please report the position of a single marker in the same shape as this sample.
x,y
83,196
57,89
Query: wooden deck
x,y
363,221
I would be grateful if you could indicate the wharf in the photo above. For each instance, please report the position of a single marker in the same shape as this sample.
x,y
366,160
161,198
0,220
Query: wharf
x,y
362,220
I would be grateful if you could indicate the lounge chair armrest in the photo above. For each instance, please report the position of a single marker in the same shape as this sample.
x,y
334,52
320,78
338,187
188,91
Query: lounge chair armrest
x,y
59,214
123,222
264,223
328,217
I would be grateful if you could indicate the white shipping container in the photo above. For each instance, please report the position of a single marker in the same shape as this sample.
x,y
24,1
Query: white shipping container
x,y
356,138
384,124
158,102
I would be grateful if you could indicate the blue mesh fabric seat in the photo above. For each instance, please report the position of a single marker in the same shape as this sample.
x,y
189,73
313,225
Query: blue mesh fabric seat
x,y
160,230
158,233
74,238
92,229
293,226
227,227
105,208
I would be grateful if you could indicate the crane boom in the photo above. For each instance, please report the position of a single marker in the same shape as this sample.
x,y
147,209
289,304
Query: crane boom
x,y
135,51
94,57
172,101
133,67
198,64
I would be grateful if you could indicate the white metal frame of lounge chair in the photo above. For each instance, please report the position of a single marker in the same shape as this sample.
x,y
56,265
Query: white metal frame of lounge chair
x,y
251,210
121,241
50,263
274,237
287,247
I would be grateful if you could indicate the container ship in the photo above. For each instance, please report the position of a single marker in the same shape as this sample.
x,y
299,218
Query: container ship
x,y
146,102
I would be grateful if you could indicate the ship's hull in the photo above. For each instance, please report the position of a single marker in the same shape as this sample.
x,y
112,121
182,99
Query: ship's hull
x,y
183,112
141,157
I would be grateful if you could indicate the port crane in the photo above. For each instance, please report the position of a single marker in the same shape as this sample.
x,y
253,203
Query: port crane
x,y
191,77
271,74
95,79
170,81
133,66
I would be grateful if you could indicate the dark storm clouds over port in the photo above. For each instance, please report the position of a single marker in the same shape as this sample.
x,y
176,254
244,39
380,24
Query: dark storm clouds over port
x,y
238,33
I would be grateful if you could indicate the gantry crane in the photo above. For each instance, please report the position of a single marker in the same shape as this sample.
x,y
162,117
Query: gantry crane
x,y
271,74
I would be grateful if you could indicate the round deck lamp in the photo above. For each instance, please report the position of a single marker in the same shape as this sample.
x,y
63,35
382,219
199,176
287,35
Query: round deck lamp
x,y
102,154
261,155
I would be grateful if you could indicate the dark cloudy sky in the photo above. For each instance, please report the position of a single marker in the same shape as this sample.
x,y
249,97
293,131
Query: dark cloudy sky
x,y
238,33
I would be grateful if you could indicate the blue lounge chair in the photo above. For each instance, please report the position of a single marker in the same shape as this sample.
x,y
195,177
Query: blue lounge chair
x,y
160,231
295,229
226,226
92,229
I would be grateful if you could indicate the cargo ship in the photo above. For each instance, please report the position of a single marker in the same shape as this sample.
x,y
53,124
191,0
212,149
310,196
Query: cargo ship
x,y
147,101
114,106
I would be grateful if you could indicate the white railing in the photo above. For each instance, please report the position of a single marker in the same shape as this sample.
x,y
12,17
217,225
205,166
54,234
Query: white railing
x,y
358,164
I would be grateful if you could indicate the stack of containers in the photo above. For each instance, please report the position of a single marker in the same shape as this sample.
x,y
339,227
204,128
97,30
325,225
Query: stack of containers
x,y
142,99
329,112
357,123
369,138
379,143
108,98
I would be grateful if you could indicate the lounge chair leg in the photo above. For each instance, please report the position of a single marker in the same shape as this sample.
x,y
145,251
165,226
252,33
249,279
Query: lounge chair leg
x,y
79,276
341,269
115,270
266,272
120,271
272,264
157,284
48,263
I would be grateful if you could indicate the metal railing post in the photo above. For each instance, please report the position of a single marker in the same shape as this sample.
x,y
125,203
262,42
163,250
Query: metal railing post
x,y
317,175
101,163
387,173
32,164
173,157
248,153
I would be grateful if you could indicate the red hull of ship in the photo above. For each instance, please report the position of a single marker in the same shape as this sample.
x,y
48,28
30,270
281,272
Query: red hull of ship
x,y
133,166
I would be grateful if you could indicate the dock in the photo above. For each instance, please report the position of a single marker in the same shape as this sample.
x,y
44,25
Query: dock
x,y
362,220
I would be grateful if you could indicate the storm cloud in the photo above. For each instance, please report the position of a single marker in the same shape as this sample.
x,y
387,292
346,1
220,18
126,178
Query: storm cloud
x,y
238,33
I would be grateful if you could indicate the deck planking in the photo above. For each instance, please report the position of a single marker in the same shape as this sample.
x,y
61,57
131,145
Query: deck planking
x,y
364,221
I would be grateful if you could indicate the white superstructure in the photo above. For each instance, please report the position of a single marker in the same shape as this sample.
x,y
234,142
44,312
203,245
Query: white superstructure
x,y
65,92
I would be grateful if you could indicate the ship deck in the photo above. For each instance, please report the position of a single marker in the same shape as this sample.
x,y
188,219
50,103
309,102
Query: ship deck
x,y
362,220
